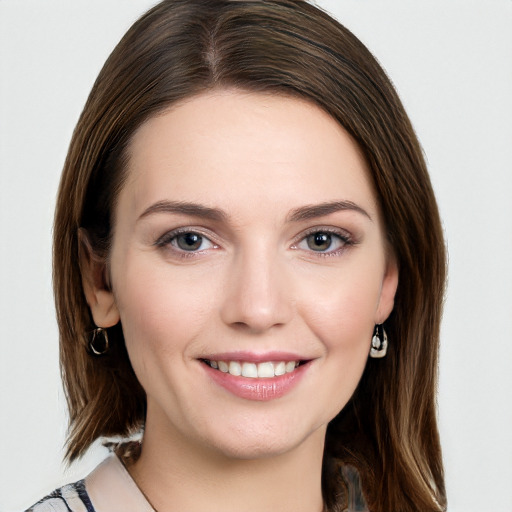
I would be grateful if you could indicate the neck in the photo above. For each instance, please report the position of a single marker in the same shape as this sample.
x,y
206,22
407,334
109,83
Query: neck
x,y
175,475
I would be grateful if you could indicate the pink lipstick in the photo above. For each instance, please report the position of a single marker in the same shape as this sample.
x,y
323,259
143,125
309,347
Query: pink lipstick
x,y
259,377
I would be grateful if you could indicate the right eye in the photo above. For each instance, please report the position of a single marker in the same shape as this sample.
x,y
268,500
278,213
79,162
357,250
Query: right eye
x,y
191,242
186,241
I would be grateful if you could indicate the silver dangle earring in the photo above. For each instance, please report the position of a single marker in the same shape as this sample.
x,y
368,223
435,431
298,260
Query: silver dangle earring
x,y
99,342
379,344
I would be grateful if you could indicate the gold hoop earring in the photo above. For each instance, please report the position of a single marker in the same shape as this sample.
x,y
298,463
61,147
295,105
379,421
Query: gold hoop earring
x,y
98,346
379,344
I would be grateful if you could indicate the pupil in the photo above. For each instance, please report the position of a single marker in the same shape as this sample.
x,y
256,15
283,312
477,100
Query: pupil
x,y
319,241
189,241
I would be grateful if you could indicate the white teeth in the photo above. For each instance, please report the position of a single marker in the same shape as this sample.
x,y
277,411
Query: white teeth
x,y
280,368
250,370
263,370
235,368
290,366
266,370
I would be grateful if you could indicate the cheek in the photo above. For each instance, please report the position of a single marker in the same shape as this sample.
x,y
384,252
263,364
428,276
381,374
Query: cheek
x,y
341,314
161,311
344,324
341,311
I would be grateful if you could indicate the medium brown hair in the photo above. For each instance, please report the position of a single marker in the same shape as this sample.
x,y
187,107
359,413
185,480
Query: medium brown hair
x,y
388,430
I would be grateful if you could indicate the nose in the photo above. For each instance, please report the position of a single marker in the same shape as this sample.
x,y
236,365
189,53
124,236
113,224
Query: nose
x,y
257,296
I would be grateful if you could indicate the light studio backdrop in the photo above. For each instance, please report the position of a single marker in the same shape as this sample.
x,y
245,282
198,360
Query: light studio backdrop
x,y
451,62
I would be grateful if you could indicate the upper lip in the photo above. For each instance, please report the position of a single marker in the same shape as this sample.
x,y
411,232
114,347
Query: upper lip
x,y
254,357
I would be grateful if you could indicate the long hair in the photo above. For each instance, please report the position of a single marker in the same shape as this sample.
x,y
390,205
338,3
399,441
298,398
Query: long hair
x,y
180,48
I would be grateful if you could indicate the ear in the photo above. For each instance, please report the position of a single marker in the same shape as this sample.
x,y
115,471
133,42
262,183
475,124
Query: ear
x,y
97,291
388,290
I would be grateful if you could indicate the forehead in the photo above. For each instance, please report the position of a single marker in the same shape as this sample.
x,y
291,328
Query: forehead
x,y
229,145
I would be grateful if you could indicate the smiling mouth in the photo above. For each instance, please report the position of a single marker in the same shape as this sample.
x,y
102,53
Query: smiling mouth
x,y
263,370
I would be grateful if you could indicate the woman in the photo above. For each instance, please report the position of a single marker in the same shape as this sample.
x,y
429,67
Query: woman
x,y
244,221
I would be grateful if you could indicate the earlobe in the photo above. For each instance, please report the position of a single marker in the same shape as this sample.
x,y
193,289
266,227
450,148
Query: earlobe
x,y
97,292
388,291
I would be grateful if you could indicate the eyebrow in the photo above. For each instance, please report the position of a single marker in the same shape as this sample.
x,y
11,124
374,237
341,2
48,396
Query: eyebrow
x,y
299,214
319,210
184,208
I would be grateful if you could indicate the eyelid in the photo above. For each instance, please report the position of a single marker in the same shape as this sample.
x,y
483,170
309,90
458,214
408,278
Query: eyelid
x,y
342,233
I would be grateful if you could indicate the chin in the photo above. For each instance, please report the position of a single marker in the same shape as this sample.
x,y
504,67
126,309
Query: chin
x,y
264,443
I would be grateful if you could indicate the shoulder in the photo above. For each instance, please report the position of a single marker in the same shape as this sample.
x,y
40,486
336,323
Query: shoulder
x,y
69,498
108,487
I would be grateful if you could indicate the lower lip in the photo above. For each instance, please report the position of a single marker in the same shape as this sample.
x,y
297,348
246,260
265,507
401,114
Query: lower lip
x,y
260,390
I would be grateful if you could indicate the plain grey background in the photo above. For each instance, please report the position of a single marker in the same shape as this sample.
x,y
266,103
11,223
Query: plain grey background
x,y
451,62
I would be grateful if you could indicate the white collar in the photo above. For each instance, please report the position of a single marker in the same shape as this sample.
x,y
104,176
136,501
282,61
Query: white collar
x,y
111,489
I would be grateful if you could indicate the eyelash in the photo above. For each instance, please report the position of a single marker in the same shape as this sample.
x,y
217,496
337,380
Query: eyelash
x,y
167,240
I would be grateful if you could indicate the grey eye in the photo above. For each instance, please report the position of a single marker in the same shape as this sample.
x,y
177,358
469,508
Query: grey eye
x,y
319,241
323,242
188,241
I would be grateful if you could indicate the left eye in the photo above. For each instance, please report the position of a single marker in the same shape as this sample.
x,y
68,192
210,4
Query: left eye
x,y
188,241
322,241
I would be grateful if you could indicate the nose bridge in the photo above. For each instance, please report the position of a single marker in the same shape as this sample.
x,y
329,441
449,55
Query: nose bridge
x,y
257,295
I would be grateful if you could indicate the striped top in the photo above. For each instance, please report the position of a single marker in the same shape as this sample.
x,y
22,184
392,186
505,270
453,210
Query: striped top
x,y
72,497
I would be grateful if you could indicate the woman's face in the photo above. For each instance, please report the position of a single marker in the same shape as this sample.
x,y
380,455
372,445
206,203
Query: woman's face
x,y
247,238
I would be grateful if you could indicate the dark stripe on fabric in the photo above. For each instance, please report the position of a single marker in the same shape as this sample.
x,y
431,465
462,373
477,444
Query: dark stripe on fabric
x,y
78,487
82,494
66,503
